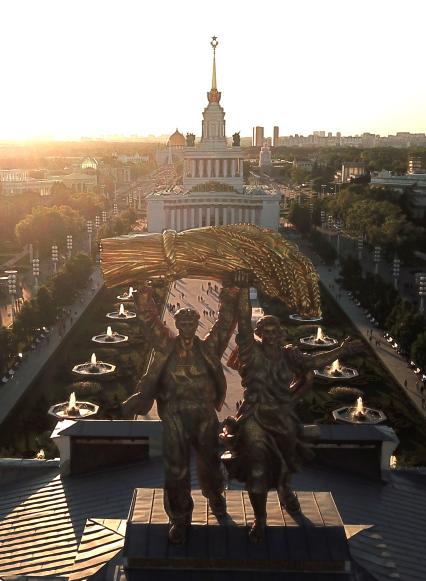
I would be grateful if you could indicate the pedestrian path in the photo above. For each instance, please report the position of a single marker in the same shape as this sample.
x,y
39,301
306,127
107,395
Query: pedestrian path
x,y
34,361
395,364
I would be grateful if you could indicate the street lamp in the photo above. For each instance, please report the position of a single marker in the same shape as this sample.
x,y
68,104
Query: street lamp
x,y
338,228
360,246
89,232
323,186
11,287
330,225
130,199
97,222
69,245
422,291
395,271
36,272
115,208
376,259
55,257
104,216
323,219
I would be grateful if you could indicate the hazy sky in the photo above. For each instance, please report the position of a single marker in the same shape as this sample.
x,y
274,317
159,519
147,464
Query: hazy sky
x,y
93,67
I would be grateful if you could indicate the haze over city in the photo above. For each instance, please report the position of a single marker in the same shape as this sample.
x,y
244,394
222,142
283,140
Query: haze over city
x,y
86,69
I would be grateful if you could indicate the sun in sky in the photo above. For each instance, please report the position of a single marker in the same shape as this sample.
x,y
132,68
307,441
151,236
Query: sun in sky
x,y
78,68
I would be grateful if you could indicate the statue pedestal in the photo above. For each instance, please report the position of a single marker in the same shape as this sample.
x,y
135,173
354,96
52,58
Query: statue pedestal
x,y
310,545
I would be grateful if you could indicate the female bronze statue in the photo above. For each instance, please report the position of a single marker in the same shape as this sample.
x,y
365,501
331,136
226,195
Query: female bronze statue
x,y
267,443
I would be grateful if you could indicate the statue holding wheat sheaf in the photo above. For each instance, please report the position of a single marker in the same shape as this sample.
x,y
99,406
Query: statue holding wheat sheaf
x,y
185,375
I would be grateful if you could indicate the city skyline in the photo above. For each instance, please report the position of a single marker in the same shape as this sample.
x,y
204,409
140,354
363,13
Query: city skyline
x,y
92,69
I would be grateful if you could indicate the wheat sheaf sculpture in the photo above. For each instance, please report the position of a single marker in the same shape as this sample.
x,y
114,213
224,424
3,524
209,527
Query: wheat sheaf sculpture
x,y
277,267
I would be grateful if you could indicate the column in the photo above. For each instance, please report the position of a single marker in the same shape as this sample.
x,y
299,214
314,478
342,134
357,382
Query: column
x,y
225,215
178,217
252,218
216,215
200,217
240,215
208,217
217,162
233,168
173,219
209,168
185,218
192,222
240,163
193,168
201,167
232,215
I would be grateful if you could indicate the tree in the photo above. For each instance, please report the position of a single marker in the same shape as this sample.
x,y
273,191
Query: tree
x,y
46,226
26,321
351,273
300,217
79,268
418,350
7,347
62,287
46,309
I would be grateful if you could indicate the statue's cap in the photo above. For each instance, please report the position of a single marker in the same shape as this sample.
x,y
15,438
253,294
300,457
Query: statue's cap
x,y
186,314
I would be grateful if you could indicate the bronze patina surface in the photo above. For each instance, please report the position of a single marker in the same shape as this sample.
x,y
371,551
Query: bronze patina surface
x,y
265,438
277,267
186,378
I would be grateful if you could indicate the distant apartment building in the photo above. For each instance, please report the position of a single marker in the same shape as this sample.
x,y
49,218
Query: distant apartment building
x,y
304,164
365,140
276,136
352,170
258,136
415,166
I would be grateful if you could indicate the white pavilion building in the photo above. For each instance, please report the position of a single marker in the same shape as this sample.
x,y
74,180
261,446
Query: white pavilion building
x,y
213,191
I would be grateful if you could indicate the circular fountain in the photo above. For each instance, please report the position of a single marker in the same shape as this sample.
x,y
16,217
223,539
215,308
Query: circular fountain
x,y
359,414
121,314
304,319
110,338
319,341
127,296
73,409
336,371
93,368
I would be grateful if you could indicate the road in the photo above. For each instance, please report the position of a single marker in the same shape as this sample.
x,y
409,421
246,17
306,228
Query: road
x,y
34,361
394,363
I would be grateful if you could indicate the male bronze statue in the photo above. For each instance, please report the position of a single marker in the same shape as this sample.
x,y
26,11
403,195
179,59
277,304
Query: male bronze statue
x,y
265,437
186,378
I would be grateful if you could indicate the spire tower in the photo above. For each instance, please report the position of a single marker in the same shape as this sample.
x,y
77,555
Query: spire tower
x,y
213,95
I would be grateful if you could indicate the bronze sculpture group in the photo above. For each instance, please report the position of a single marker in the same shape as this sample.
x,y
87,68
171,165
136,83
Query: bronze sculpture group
x,y
186,378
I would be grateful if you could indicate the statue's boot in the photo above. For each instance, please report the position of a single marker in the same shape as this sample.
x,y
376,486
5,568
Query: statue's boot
x,y
257,531
217,504
178,532
289,500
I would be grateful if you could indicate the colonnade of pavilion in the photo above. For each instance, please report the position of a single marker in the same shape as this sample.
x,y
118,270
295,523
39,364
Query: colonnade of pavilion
x,y
183,217
213,167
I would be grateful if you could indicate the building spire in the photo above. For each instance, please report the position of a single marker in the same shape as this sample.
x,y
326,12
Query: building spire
x,y
213,95
214,44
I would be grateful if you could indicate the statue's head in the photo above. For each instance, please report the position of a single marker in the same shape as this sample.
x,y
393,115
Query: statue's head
x,y
269,330
186,321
